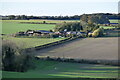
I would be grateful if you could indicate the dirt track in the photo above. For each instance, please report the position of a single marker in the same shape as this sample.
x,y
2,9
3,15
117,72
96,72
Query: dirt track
x,y
88,48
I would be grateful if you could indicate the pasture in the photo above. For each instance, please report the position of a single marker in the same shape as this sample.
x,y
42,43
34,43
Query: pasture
x,y
10,27
13,26
47,21
88,48
114,21
54,69
107,27
31,42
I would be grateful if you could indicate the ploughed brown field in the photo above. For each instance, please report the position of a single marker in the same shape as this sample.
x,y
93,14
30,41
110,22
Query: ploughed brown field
x,y
88,48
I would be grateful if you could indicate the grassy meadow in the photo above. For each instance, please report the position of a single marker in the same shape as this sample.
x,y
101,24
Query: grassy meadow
x,y
54,69
107,27
10,27
114,21
13,26
31,42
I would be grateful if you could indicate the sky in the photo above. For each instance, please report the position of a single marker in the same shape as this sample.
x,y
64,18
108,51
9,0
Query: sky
x,y
57,7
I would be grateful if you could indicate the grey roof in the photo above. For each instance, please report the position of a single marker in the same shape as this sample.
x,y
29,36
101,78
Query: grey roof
x,y
43,31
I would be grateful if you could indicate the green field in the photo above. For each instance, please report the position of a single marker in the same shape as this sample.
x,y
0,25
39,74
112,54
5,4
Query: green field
x,y
9,27
47,21
54,69
114,21
13,26
107,27
31,42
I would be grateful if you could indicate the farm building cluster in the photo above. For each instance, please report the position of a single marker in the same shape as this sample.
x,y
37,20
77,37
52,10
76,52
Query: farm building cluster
x,y
49,34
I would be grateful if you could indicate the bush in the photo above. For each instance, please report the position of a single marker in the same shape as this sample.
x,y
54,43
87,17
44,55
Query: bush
x,y
98,32
13,59
95,33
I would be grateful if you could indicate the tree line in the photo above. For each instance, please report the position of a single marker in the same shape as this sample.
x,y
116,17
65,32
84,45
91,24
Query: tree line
x,y
75,17
25,17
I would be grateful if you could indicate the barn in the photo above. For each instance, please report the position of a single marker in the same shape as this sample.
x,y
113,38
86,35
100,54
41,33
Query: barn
x,y
43,32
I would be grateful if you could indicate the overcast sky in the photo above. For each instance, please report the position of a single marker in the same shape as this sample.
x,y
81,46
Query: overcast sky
x,y
57,7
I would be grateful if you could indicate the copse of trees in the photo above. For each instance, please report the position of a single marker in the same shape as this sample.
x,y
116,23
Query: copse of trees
x,y
97,19
13,58
90,22
108,15
77,26
72,26
89,27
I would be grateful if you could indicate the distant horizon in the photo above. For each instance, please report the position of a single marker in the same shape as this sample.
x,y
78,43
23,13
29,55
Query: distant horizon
x,y
57,15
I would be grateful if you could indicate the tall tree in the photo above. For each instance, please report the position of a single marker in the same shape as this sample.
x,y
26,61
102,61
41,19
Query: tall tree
x,y
73,26
98,19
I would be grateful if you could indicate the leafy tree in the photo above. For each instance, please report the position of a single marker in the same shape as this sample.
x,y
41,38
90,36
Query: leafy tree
x,y
89,27
44,22
84,18
73,26
11,17
98,19
23,17
13,58
18,17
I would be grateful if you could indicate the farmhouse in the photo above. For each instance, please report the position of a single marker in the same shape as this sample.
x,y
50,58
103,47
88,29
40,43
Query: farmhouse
x,y
76,33
57,33
29,32
43,32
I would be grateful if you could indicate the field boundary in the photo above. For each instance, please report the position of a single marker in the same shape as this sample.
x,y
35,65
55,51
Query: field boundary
x,y
36,23
85,61
50,44
65,59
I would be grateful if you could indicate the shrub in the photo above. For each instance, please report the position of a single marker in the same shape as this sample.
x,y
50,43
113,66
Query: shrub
x,y
44,22
95,33
13,58
98,32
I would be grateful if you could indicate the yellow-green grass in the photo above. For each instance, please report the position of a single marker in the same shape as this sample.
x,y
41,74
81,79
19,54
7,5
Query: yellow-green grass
x,y
10,27
31,42
47,21
107,27
13,26
54,69
114,21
